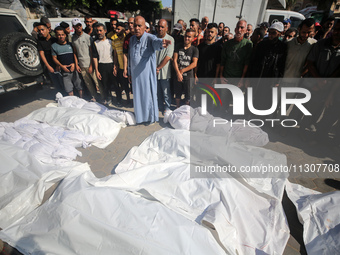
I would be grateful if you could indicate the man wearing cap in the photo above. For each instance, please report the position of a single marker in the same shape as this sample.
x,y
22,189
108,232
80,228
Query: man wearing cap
x,y
147,27
163,69
269,62
265,26
82,46
177,33
286,25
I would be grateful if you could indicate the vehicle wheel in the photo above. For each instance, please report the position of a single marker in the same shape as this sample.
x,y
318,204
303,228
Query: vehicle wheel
x,y
19,51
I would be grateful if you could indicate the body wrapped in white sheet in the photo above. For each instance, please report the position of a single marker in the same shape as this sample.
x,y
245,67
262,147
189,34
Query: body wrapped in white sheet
x,y
23,181
188,118
319,214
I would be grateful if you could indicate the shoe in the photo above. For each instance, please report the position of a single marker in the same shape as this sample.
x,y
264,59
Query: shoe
x,y
119,104
150,123
93,100
109,103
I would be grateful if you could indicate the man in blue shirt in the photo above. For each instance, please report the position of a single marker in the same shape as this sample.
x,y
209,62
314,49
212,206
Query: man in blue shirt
x,y
63,56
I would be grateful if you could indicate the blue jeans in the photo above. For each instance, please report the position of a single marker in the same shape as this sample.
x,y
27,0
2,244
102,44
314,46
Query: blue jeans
x,y
164,94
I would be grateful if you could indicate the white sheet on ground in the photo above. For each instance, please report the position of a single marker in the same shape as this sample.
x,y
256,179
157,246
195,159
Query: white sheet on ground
x,y
49,144
103,129
81,218
185,117
23,181
319,214
153,206
247,213
127,118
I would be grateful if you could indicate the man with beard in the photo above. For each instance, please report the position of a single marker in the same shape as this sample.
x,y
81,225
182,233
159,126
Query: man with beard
x,y
209,55
220,31
117,45
249,31
104,65
142,71
63,56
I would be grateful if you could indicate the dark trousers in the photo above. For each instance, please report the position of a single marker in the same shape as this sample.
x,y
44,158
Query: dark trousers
x,y
106,71
124,83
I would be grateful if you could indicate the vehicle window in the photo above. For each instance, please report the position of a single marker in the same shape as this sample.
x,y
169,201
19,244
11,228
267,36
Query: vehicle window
x,y
295,21
12,25
275,18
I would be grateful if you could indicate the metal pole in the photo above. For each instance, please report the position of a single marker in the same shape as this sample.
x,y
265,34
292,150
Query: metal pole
x,y
240,16
213,20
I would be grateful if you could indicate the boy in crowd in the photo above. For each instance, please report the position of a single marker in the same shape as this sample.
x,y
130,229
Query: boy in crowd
x,y
63,56
44,47
185,60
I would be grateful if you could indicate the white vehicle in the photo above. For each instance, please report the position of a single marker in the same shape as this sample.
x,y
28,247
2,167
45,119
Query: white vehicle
x,y
19,58
231,11
273,16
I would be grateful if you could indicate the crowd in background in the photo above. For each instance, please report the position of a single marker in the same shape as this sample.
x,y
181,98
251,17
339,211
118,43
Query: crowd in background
x,y
100,58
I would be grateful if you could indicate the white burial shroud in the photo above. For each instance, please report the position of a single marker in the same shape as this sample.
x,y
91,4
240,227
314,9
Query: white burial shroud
x,y
152,206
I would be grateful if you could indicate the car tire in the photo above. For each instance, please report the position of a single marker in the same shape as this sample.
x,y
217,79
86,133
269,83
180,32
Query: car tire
x,y
19,51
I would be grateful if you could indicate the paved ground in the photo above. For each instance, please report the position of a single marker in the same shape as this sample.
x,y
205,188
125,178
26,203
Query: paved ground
x,y
19,104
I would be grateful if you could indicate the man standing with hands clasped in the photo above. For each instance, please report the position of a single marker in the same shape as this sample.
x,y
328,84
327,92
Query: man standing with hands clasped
x,y
142,71
82,47
63,56
164,68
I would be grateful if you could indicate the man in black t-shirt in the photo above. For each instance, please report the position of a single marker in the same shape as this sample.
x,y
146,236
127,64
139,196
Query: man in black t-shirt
x,y
45,52
210,55
185,60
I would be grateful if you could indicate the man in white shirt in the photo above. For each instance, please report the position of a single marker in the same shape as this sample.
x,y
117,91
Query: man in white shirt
x,y
104,66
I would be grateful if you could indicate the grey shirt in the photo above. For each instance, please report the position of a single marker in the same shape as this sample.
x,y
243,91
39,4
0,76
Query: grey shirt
x,y
82,44
165,72
296,57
